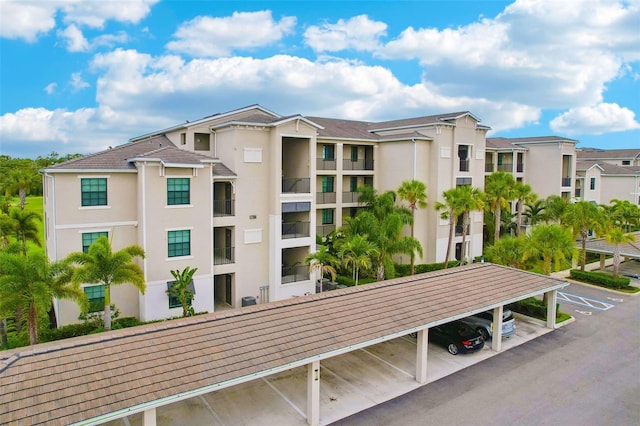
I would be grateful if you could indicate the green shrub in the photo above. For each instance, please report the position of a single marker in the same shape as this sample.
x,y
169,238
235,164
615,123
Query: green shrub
x,y
350,282
532,307
599,278
67,331
403,269
126,322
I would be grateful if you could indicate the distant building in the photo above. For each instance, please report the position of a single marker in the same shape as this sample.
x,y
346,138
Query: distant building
x,y
604,175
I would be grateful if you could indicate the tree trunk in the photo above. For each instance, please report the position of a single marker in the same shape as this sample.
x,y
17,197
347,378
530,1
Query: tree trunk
x,y
355,274
32,324
107,307
53,322
519,230
381,270
4,343
583,253
452,225
22,193
616,261
413,253
463,251
496,232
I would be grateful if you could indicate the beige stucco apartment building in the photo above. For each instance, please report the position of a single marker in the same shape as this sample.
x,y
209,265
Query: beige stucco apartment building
x,y
242,195
604,175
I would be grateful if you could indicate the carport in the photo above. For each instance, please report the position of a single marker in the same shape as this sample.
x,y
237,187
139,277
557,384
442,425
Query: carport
x,y
603,248
98,378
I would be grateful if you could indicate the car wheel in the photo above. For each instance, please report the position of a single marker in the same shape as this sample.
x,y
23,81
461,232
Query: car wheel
x,y
453,349
483,333
414,335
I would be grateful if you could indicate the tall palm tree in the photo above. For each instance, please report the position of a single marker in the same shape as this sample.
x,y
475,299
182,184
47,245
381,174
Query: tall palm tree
x,y
499,192
323,262
25,227
616,236
471,199
552,244
180,289
507,251
534,210
582,217
22,180
357,251
30,283
102,266
450,209
523,194
625,214
414,192
555,206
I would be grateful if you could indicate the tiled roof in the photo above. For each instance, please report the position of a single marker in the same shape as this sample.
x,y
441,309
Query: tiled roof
x,y
607,154
347,129
502,143
220,169
417,121
536,139
600,245
86,377
607,168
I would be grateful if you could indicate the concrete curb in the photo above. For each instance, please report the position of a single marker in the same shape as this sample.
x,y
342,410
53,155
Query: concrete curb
x,y
609,290
541,323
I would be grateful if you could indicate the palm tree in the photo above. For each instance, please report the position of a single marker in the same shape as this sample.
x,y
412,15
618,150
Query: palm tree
x,y
25,227
582,217
499,192
29,284
7,228
22,179
101,265
535,211
451,209
625,214
471,199
414,192
180,289
616,236
507,251
555,206
552,244
323,262
357,251
523,194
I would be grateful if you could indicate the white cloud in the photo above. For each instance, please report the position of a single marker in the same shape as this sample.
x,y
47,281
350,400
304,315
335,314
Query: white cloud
x,y
74,39
77,83
28,19
109,40
359,33
595,120
212,37
50,88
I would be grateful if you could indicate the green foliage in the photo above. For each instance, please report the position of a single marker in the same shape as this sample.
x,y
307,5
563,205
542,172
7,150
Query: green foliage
x,y
600,279
403,270
181,291
350,282
533,307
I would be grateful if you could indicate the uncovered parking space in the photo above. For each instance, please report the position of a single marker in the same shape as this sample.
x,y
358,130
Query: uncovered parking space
x,y
584,301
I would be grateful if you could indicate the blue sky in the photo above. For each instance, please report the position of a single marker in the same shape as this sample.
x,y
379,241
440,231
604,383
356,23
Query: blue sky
x,y
79,76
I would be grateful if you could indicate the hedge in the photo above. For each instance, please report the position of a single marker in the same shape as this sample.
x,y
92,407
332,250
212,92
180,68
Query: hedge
x,y
350,282
403,269
532,307
84,328
599,278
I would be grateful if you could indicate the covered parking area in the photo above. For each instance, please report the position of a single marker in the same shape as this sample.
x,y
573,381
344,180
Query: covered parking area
x,y
96,379
603,248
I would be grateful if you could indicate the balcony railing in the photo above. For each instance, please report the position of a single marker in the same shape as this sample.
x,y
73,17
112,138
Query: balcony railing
x,y
324,230
296,185
223,255
350,197
464,165
295,229
325,197
520,167
325,164
296,273
357,164
224,207
488,167
566,181
505,167
578,192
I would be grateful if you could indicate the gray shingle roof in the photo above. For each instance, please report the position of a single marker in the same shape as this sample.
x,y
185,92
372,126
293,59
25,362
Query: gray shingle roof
x,y
607,168
417,121
346,129
221,170
536,139
600,245
608,154
85,377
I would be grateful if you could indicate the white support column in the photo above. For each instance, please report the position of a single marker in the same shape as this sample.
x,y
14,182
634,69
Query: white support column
x,y
496,329
149,417
551,308
313,393
421,356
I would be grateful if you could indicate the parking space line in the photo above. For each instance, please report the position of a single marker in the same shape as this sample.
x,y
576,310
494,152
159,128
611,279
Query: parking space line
x,y
211,410
388,363
276,390
584,301
355,388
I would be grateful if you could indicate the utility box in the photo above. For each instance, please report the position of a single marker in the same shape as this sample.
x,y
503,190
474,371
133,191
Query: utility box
x,y
248,301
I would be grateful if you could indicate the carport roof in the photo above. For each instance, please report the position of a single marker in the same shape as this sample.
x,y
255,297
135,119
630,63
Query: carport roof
x,y
105,376
600,245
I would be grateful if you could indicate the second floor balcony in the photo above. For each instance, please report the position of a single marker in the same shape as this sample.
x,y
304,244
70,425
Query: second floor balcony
x,y
223,208
325,164
566,181
519,167
350,197
505,167
291,274
325,197
324,230
295,230
489,168
223,255
296,185
357,164
464,165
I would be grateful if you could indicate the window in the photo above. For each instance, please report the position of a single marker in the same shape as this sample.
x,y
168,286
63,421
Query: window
x,y
174,300
464,181
89,238
353,184
626,162
183,138
178,191
327,184
354,153
463,155
95,294
327,216
94,191
201,141
179,243
592,183
328,152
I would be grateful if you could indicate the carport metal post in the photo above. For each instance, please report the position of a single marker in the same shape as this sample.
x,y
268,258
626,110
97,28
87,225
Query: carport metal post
x,y
552,297
313,393
421,356
149,417
496,329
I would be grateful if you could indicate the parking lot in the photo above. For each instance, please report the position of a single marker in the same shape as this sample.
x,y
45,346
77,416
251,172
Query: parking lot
x,y
349,383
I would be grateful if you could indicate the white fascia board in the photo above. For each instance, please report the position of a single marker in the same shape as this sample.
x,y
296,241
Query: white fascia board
x,y
297,117
81,171
183,166
413,126
338,139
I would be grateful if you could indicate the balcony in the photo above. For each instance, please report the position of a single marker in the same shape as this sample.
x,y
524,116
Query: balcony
x,y
488,167
295,229
223,255
292,274
578,192
324,230
464,165
350,197
459,229
325,164
223,208
566,181
505,167
520,167
325,198
296,185
357,164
